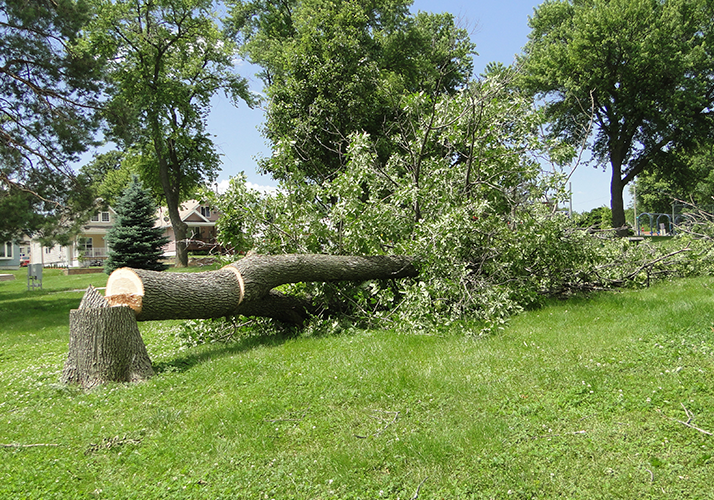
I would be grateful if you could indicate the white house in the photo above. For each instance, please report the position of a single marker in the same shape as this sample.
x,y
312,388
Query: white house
x,y
201,219
10,255
90,247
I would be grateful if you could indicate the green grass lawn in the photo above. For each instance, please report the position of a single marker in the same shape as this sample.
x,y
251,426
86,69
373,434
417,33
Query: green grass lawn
x,y
582,399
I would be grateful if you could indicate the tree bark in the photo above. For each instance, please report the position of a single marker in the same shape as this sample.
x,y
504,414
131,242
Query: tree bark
x,y
104,345
619,222
244,287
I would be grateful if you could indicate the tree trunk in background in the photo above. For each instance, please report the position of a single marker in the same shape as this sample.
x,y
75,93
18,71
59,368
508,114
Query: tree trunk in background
x,y
619,222
104,345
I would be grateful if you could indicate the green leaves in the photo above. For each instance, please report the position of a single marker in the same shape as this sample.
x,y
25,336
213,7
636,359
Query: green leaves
x,y
454,193
337,68
133,240
640,70
49,91
169,58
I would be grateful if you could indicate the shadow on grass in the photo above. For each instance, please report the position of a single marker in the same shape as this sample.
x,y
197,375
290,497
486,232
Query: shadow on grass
x,y
20,317
222,350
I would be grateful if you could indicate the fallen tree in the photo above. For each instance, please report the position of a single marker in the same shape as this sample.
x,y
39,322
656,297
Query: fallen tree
x,y
105,344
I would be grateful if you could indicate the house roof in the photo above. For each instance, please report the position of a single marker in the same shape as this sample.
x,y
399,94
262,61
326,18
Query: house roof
x,y
190,212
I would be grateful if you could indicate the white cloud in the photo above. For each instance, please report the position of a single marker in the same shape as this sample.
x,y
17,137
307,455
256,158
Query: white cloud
x,y
262,189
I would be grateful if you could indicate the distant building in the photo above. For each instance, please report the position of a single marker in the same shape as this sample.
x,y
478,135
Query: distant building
x,y
90,247
201,219
9,255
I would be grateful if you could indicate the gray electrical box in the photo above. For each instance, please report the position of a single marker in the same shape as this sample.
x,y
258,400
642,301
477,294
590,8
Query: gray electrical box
x,y
34,276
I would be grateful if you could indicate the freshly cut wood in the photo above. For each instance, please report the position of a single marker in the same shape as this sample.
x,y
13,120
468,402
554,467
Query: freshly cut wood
x,y
243,287
104,345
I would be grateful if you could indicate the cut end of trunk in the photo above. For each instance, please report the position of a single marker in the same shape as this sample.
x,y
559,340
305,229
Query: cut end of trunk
x,y
241,283
126,299
125,288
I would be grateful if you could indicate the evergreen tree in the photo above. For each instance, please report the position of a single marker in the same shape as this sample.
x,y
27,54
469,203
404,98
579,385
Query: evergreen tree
x,y
49,97
133,240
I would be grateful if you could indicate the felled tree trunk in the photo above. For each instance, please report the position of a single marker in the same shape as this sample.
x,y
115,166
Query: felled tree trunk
x,y
244,287
104,345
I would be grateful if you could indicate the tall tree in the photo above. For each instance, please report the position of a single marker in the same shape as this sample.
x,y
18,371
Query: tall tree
x,y
335,68
133,239
48,95
641,69
169,59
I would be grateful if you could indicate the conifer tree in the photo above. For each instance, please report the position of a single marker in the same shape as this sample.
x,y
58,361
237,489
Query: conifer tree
x,y
133,240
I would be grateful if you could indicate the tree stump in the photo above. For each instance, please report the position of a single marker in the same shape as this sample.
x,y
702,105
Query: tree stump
x,y
104,344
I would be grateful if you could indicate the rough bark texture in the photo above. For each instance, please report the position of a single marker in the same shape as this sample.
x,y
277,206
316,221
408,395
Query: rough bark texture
x,y
104,345
155,295
243,287
261,273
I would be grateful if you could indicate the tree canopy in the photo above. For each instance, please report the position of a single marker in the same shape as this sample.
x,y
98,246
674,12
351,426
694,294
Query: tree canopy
x,y
639,69
168,59
335,68
688,180
48,98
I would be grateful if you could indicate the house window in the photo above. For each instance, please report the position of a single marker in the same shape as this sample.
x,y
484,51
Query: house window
x,y
103,215
6,250
206,211
85,243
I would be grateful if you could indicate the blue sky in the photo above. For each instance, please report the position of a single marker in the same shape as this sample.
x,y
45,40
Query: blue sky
x,y
499,28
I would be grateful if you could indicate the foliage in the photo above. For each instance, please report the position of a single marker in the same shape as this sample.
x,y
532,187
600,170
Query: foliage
x,y
336,68
168,59
459,195
193,333
639,70
108,174
133,240
583,398
52,210
465,197
690,179
597,219
49,91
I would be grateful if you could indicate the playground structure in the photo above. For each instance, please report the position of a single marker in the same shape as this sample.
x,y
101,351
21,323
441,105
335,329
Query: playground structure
x,y
661,224
658,224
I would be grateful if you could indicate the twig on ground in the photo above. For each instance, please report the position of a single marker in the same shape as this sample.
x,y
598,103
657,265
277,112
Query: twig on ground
x,y
36,445
688,422
416,493
396,415
652,263
651,475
